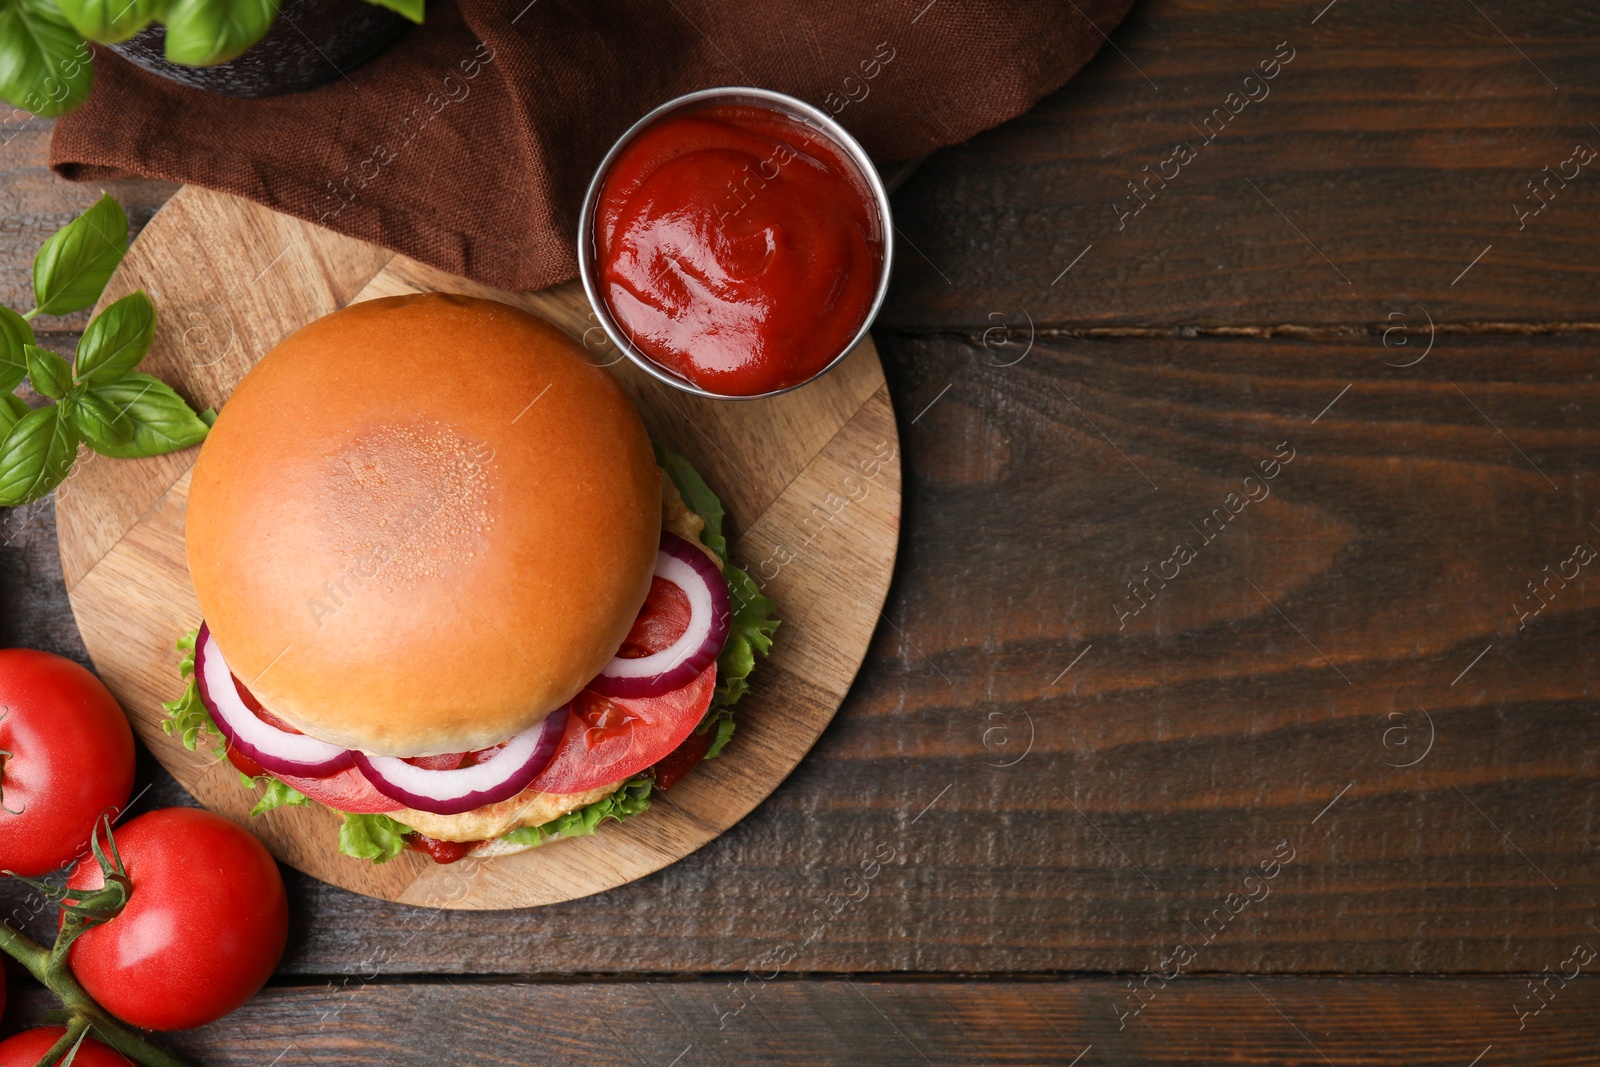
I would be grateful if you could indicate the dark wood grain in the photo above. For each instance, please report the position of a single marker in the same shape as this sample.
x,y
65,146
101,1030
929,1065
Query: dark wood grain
x,y
1061,431
876,1023
1396,143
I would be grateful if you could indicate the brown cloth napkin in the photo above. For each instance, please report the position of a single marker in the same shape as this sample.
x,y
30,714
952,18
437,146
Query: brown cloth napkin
x,y
469,144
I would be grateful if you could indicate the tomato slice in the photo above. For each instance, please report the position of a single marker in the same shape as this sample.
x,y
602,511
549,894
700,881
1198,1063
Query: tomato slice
x,y
611,738
662,620
348,790
244,764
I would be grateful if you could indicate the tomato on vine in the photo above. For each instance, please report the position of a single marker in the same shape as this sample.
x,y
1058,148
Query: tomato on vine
x,y
204,925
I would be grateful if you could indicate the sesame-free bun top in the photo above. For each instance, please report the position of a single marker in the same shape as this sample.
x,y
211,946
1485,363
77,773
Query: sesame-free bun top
x,y
422,523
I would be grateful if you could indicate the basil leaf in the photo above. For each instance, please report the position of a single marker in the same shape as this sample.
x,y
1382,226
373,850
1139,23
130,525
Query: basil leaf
x,y
44,63
36,455
110,21
51,375
104,425
15,334
116,340
73,266
201,33
162,422
11,411
411,9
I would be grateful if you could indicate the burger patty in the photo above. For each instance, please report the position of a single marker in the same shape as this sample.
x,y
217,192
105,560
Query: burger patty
x,y
530,807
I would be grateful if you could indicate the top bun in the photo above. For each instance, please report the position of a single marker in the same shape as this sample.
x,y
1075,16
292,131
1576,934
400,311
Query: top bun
x,y
422,523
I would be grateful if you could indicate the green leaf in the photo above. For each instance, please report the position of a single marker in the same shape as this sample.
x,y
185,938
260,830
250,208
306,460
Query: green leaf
x,y
36,455
45,65
749,634
631,799
50,374
372,837
723,723
162,422
186,716
698,495
110,21
201,33
411,9
116,340
277,795
11,411
103,425
15,336
72,267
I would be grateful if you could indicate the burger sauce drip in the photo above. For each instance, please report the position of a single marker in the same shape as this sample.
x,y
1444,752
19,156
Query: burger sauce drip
x,y
439,851
738,248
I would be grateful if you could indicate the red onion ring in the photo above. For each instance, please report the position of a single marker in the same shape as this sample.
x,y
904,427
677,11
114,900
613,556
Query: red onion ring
x,y
450,792
277,751
674,667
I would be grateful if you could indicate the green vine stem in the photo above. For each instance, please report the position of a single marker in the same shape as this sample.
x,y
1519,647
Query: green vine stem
x,y
82,1014
80,1005
77,1027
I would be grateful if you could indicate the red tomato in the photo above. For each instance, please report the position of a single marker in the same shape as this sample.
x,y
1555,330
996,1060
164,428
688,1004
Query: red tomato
x,y
348,790
28,1048
661,621
68,759
611,738
203,929
244,764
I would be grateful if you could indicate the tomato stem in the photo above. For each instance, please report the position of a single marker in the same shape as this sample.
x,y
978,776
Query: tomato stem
x,y
50,966
77,1027
25,950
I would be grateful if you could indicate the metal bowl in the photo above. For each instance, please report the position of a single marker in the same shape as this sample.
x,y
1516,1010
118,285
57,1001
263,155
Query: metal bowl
x,y
588,268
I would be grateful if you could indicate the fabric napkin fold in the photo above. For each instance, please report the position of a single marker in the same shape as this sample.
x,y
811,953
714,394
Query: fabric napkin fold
x,y
469,144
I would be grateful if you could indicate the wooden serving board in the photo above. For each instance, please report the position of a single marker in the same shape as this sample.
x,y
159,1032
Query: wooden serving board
x,y
811,480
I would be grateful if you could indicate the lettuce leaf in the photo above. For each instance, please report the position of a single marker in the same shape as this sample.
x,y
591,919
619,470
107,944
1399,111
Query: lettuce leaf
x,y
372,837
749,635
631,799
698,495
277,795
187,717
722,722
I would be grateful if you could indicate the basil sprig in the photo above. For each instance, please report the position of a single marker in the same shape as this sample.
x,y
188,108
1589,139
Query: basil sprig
x,y
47,64
99,398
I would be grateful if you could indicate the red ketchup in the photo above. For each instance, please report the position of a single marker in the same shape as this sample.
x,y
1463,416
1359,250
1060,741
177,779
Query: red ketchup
x,y
738,248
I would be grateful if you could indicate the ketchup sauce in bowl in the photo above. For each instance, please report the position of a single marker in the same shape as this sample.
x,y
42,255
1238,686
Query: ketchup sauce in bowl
x,y
735,243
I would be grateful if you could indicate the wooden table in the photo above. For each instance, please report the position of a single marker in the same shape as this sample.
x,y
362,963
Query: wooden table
x,y
1363,678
